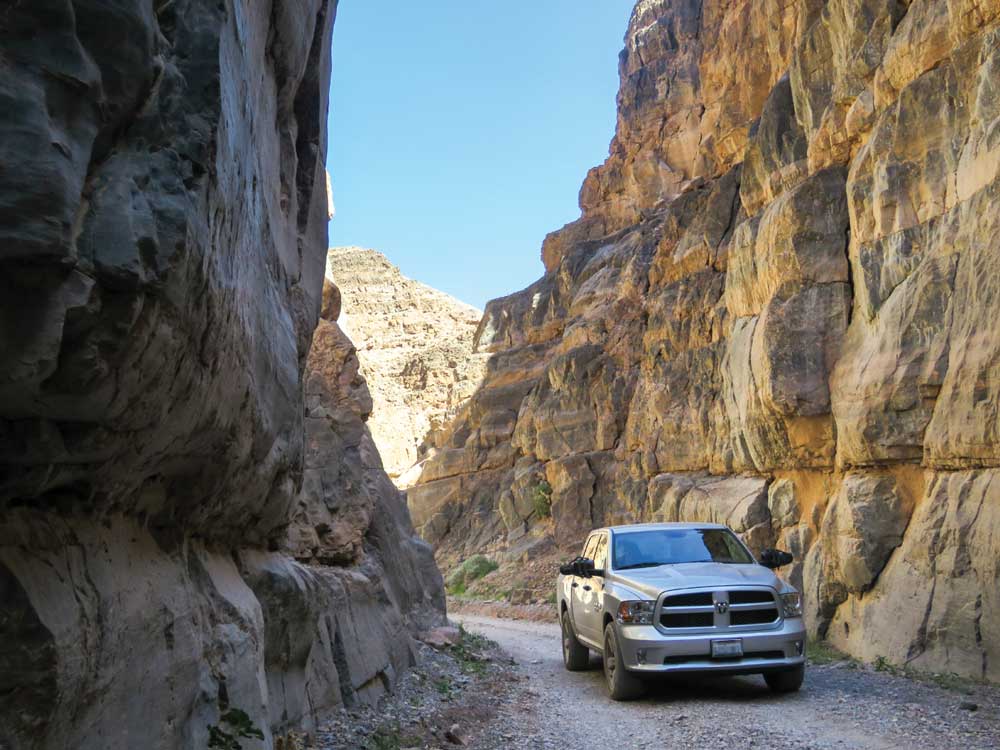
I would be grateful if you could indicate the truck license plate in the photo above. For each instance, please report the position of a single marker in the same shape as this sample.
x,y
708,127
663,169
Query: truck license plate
x,y
727,649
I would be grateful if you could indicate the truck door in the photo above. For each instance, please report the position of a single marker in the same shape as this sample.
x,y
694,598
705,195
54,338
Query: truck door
x,y
578,605
589,621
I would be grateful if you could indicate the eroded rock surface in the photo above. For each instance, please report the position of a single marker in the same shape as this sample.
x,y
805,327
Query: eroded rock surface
x,y
415,345
163,220
778,309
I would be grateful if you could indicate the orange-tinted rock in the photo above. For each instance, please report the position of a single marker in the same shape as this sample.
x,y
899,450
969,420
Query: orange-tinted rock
x,y
785,276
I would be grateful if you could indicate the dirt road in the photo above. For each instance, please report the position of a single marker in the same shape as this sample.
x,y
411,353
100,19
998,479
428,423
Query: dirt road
x,y
841,706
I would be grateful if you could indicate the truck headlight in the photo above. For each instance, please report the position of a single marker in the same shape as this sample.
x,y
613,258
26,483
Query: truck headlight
x,y
635,613
791,603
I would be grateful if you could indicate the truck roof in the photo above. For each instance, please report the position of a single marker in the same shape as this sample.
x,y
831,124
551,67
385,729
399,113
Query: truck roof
x,y
625,528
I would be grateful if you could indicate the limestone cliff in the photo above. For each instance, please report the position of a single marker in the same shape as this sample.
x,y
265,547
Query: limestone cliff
x,y
163,556
415,344
778,310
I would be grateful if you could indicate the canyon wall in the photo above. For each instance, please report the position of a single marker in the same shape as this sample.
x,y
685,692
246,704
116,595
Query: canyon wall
x,y
777,310
415,344
179,535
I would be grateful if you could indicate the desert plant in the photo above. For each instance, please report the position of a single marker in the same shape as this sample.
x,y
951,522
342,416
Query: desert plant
x,y
384,738
468,652
444,686
542,499
823,652
238,726
471,570
884,665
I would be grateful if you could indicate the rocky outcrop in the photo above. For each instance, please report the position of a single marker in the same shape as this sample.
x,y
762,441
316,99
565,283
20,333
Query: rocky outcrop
x,y
776,310
163,220
415,344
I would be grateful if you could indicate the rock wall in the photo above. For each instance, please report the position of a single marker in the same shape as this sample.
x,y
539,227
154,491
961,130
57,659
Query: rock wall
x,y
415,344
777,310
162,236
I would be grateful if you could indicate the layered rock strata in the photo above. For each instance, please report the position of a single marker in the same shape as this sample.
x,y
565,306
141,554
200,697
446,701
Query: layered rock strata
x,y
415,344
777,310
163,557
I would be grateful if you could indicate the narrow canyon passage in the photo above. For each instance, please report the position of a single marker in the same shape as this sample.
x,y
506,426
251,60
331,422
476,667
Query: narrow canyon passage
x,y
244,478
841,707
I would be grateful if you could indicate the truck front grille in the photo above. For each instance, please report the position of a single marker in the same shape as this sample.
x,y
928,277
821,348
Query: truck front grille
x,y
719,609
688,620
753,617
688,600
750,597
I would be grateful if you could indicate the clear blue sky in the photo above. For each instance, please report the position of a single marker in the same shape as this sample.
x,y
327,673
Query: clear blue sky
x,y
461,131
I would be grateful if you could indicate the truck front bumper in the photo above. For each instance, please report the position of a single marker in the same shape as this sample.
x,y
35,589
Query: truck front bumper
x,y
645,649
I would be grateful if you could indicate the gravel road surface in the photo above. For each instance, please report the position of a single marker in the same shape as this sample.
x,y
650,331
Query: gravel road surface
x,y
842,706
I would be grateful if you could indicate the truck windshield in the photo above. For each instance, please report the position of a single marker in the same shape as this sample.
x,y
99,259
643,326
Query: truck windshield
x,y
648,549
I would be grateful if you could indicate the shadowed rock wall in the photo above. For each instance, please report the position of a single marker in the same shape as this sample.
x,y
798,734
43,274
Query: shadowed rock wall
x,y
162,241
777,310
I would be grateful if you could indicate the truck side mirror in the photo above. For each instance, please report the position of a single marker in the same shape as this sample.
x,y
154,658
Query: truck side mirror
x,y
587,569
569,569
580,566
775,558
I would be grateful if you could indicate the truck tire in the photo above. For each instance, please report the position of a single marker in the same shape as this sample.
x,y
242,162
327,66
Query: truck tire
x,y
787,680
622,684
576,656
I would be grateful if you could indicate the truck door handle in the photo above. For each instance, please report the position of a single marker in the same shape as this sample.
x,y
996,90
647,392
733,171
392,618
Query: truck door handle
x,y
586,588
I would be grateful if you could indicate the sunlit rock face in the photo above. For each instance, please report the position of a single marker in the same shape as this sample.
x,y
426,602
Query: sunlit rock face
x,y
415,345
778,309
163,216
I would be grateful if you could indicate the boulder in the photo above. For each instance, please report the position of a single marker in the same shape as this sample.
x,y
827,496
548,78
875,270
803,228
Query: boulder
x,y
782,504
936,602
863,525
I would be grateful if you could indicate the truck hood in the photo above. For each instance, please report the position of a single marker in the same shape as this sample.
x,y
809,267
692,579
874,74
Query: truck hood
x,y
652,581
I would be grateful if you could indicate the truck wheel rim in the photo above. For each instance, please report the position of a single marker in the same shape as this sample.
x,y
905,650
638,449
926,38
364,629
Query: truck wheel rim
x,y
565,640
609,659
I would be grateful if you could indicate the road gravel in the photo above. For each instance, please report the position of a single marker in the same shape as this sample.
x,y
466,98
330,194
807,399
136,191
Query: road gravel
x,y
842,706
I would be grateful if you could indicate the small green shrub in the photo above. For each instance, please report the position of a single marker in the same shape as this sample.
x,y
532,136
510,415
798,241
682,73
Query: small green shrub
x,y
238,726
444,686
467,652
884,665
471,570
946,680
542,498
473,640
496,591
384,738
822,652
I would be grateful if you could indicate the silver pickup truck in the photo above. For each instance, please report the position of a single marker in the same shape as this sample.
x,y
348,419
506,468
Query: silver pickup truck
x,y
679,597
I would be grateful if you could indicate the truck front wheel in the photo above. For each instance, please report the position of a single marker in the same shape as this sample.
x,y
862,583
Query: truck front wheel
x,y
622,684
576,656
786,681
